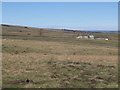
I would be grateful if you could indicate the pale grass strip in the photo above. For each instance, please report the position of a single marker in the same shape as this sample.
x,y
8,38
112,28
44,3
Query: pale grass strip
x,y
35,57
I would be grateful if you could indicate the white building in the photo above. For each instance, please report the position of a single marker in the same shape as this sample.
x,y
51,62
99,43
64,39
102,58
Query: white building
x,y
85,37
91,36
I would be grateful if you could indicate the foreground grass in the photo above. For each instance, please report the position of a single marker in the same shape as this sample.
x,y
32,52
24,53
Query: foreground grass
x,y
43,64
52,73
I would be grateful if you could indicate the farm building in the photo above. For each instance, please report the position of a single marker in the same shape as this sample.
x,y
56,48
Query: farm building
x,y
82,36
86,37
101,38
92,37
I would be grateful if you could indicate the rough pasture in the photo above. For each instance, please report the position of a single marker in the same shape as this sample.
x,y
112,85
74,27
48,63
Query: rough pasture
x,y
56,59
57,64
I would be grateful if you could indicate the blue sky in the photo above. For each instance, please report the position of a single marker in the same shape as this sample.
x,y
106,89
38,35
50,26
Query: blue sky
x,y
69,15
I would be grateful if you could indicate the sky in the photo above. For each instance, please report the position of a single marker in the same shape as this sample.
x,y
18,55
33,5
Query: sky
x,y
62,15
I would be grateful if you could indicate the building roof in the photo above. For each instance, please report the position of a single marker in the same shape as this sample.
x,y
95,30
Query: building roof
x,y
100,37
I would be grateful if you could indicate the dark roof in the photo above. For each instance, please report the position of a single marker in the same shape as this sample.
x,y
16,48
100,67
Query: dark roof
x,y
84,35
100,37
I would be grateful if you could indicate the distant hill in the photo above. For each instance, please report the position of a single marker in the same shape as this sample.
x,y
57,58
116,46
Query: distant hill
x,y
109,32
65,30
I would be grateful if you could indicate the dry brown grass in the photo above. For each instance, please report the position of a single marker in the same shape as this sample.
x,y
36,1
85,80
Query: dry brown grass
x,y
34,64
102,60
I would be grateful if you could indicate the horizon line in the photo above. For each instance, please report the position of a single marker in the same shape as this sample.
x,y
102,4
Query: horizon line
x,y
61,28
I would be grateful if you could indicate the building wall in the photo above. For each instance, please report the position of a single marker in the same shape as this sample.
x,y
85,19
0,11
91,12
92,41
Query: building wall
x,y
85,37
101,38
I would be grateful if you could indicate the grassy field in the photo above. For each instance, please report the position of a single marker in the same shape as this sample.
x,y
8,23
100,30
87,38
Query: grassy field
x,y
57,60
